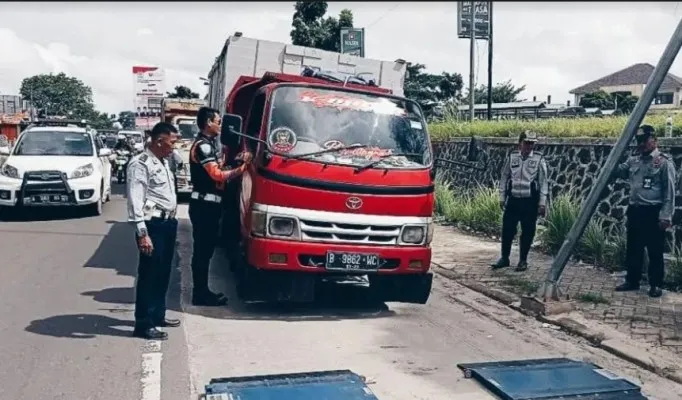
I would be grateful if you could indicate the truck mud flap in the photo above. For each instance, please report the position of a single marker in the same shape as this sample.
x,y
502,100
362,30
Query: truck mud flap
x,y
551,379
402,288
329,385
276,286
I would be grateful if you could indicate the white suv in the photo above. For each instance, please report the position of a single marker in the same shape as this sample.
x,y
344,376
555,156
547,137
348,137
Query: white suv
x,y
56,163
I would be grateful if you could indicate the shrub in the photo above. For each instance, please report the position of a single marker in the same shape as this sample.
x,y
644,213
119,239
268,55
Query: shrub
x,y
561,214
594,246
551,127
479,211
673,274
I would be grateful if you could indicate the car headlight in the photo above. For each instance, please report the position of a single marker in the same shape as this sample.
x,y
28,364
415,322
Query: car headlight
x,y
9,171
82,172
258,222
412,234
281,226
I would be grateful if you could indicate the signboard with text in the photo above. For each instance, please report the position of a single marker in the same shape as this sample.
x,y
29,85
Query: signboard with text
x,y
482,19
353,41
149,86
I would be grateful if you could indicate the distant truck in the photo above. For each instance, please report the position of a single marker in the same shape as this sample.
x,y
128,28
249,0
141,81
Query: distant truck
x,y
182,113
342,180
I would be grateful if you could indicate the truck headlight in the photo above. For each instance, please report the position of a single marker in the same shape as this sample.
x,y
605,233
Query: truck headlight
x,y
258,222
9,171
82,172
282,226
429,233
412,234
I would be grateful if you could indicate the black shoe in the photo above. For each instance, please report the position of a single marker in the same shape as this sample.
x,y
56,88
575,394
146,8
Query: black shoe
x,y
150,334
501,263
627,287
655,292
168,323
521,266
209,299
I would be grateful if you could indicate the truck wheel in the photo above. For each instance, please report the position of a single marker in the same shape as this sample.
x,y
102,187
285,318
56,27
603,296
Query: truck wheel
x,y
411,288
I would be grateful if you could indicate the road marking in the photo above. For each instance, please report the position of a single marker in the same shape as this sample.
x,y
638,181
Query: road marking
x,y
151,371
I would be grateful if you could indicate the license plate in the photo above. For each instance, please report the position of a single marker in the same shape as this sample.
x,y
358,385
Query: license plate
x,y
47,198
352,261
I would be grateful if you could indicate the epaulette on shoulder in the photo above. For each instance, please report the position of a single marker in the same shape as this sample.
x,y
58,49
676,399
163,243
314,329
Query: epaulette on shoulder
x,y
143,157
539,153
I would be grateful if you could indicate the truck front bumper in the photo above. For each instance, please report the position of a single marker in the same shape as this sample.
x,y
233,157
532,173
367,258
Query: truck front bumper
x,y
283,255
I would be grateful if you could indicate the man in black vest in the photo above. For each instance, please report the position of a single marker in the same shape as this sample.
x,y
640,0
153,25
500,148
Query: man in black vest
x,y
208,179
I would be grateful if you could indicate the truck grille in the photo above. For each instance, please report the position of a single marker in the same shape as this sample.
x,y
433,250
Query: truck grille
x,y
44,182
323,231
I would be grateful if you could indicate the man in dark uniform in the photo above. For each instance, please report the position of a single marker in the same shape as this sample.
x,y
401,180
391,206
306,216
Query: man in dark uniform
x,y
209,176
151,209
650,210
523,196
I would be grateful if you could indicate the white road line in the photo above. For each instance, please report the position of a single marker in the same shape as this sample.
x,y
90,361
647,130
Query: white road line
x,y
151,371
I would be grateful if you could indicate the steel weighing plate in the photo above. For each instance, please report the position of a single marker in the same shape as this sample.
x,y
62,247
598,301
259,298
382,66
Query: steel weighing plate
x,y
551,379
319,385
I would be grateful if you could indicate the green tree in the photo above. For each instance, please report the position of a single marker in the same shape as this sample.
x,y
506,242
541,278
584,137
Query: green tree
x,y
504,92
182,92
312,29
127,119
431,89
621,102
58,95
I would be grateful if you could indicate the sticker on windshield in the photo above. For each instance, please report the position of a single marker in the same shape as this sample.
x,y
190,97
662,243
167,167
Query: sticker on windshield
x,y
369,153
416,125
282,140
344,102
332,144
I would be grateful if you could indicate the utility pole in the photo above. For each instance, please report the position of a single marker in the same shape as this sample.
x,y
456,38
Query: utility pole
x,y
472,50
549,289
490,60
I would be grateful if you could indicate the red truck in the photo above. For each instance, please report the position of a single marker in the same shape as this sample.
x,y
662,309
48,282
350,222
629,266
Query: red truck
x,y
342,183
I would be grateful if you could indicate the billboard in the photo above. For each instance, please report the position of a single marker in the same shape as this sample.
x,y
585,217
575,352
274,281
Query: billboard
x,y
482,23
149,85
353,41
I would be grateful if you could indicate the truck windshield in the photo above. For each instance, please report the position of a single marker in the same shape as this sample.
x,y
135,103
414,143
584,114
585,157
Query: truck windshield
x,y
188,128
59,143
388,131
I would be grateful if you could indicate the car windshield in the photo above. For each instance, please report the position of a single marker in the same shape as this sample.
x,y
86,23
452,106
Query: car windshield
x,y
110,141
135,138
188,128
386,130
54,143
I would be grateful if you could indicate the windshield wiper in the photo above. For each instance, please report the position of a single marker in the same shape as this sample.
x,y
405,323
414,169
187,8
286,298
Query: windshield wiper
x,y
325,151
382,158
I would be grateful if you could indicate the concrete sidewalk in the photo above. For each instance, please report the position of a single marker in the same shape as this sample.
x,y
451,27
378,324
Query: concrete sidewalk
x,y
655,322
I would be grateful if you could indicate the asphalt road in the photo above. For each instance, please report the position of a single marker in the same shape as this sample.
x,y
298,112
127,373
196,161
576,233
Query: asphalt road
x,y
66,319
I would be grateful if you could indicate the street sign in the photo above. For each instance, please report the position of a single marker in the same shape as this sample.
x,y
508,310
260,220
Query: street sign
x,y
353,41
482,23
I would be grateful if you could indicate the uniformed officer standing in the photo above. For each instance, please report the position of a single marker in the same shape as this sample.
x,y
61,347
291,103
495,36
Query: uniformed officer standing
x,y
209,176
151,208
650,210
523,196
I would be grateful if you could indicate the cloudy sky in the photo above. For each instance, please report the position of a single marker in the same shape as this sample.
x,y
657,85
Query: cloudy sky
x,y
549,47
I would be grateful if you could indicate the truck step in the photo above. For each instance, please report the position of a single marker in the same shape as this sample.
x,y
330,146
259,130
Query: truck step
x,y
329,385
551,379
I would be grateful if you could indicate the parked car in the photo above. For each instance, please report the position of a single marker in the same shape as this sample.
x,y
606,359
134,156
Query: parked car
x,y
56,163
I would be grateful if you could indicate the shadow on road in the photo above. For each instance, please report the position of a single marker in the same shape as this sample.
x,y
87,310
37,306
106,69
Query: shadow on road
x,y
37,214
79,326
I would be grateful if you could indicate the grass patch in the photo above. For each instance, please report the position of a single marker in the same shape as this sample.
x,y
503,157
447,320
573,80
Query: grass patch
x,y
673,273
479,210
551,127
561,214
594,298
521,286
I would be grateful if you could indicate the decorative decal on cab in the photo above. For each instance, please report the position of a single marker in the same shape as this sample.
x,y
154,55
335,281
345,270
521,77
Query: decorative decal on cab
x,y
282,139
344,102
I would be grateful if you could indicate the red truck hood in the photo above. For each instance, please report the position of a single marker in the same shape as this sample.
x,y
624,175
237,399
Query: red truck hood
x,y
311,185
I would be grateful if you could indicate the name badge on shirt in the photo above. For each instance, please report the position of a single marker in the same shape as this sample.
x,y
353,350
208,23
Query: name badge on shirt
x,y
532,163
515,162
647,183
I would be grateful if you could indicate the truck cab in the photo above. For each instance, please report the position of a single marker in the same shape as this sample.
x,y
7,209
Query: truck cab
x,y
341,184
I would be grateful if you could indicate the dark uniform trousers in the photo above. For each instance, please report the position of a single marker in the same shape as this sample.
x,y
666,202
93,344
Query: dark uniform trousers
x,y
525,211
643,230
205,217
153,273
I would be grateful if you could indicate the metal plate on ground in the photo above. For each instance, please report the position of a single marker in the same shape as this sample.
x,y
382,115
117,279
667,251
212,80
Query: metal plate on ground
x,y
551,379
328,385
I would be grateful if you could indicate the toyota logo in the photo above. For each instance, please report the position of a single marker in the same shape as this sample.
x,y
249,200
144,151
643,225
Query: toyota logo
x,y
353,203
45,177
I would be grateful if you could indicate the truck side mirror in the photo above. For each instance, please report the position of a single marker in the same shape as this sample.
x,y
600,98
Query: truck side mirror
x,y
232,124
475,149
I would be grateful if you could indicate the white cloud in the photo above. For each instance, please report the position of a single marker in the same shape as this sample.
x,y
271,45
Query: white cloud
x,y
549,47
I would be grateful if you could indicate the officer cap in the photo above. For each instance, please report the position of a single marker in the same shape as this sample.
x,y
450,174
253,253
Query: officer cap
x,y
528,136
644,132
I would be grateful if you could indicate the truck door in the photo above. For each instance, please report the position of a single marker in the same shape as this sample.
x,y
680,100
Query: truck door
x,y
253,128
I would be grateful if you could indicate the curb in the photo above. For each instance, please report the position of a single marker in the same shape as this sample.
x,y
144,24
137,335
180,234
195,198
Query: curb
x,y
596,338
